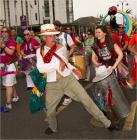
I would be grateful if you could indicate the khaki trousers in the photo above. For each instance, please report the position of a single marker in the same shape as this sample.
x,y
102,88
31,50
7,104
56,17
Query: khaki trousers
x,y
72,88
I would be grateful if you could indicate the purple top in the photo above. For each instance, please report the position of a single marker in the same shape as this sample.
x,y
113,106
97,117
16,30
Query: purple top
x,y
6,58
29,47
11,43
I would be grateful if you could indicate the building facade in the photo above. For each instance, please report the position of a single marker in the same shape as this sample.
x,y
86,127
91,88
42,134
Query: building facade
x,y
37,12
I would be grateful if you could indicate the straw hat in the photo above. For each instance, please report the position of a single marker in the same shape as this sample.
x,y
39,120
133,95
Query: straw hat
x,y
48,29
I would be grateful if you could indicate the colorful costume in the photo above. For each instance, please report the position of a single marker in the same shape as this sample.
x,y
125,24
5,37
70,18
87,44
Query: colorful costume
x,y
119,103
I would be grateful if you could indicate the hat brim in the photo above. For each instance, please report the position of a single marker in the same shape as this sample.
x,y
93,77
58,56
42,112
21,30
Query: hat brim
x,y
49,33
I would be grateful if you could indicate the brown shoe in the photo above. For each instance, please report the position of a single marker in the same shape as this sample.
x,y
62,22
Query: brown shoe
x,y
49,131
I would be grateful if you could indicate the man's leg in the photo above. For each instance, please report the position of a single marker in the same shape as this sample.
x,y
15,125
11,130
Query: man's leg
x,y
75,88
53,97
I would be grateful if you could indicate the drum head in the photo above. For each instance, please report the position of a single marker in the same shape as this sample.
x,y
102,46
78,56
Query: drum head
x,y
101,76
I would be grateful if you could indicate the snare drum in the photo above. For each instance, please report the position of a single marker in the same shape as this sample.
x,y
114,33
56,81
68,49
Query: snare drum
x,y
79,62
119,103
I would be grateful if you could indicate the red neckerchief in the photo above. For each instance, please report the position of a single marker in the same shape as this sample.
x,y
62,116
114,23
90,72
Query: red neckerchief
x,y
48,56
102,44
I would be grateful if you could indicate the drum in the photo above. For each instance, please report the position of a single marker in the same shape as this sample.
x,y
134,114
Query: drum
x,y
101,73
101,76
106,83
79,62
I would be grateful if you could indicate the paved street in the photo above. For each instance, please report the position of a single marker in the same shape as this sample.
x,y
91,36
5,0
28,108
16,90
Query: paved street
x,y
74,121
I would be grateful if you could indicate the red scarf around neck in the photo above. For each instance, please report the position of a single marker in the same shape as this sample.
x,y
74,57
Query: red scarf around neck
x,y
48,56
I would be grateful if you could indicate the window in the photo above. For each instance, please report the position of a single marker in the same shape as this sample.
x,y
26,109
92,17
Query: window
x,y
46,8
36,16
35,2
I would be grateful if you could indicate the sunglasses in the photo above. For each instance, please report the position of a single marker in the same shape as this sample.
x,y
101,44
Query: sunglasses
x,y
4,31
26,34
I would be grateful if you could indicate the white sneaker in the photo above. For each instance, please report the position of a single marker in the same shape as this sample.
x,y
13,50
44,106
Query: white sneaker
x,y
15,99
67,101
9,106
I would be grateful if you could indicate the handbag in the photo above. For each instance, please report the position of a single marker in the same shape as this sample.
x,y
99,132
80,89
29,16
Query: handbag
x,y
38,79
36,103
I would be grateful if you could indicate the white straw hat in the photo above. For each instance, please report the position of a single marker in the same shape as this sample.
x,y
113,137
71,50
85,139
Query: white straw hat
x,y
48,29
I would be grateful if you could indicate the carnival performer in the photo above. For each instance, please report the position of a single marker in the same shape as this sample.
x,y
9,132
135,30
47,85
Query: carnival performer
x,y
122,41
28,51
66,40
8,69
133,49
104,57
51,60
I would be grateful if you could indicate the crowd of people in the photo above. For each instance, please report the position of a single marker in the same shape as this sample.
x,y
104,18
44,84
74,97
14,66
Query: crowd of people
x,y
51,52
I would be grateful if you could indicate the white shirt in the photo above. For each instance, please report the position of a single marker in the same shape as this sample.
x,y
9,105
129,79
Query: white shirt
x,y
54,65
61,40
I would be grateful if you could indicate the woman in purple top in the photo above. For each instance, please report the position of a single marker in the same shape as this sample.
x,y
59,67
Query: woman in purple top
x,y
8,53
29,45
28,51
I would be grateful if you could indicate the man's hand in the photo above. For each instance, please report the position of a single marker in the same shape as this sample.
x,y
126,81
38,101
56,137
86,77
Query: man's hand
x,y
77,72
62,65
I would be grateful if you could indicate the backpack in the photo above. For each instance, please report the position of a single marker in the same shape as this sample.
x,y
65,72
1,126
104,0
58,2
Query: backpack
x,y
65,36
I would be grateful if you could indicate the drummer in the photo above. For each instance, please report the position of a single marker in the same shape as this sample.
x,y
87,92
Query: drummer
x,y
28,48
104,53
8,54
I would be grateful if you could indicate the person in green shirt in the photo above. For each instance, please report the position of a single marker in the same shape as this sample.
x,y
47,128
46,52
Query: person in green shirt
x,y
33,35
18,40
